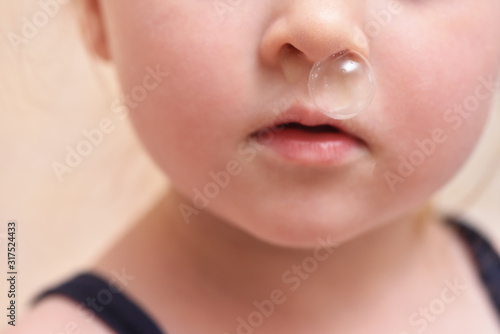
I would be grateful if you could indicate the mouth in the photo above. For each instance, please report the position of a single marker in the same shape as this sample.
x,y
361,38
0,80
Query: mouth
x,y
322,128
307,137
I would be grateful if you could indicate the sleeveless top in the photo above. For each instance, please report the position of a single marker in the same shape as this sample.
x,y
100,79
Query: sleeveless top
x,y
124,316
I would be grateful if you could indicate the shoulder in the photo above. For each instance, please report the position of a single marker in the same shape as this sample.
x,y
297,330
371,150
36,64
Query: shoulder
x,y
58,314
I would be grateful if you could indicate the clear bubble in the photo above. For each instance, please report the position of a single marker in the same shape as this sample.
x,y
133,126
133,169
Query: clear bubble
x,y
342,85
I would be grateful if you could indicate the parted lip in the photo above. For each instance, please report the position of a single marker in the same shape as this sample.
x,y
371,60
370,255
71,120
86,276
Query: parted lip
x,y
309,117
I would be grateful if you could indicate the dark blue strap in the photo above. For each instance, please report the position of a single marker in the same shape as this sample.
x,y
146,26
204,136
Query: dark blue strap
x,y
114,308
486,257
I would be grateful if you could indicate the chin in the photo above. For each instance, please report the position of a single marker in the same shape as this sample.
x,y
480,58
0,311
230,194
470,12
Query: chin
x,y
300,229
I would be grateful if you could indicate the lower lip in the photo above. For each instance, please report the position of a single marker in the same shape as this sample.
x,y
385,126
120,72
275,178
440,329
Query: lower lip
x,y
302,147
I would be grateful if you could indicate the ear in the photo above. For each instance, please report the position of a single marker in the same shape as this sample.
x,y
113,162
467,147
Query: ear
x,y
93,28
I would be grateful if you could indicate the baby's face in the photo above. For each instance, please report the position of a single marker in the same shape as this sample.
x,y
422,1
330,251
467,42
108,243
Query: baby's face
x,y
235,66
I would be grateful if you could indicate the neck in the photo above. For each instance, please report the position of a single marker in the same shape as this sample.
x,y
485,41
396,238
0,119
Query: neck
x,y
238,265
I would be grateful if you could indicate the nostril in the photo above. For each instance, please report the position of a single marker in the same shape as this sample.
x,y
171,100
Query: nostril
x,y
288,49
294,66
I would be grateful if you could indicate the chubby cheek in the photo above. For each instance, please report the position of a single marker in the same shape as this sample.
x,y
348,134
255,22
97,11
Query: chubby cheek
x,y
191,124
437,86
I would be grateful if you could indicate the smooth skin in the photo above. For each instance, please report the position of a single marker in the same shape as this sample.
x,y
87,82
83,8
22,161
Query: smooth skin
x,y
229,72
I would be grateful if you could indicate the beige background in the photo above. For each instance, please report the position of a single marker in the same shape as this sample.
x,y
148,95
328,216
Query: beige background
x,y
50,91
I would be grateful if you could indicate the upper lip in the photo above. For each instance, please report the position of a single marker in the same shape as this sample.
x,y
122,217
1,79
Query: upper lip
x,y
309,117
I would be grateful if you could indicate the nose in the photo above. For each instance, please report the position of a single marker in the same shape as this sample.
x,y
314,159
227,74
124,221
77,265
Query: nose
x,y
307,31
